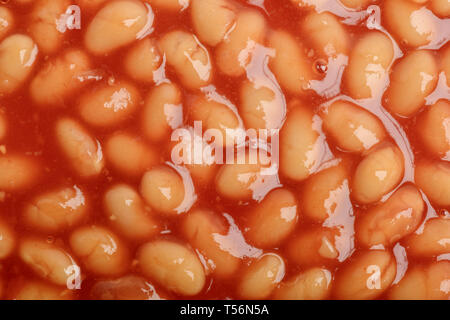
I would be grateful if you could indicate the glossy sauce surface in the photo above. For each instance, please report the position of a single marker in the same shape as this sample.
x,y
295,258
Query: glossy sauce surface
x,y
319,217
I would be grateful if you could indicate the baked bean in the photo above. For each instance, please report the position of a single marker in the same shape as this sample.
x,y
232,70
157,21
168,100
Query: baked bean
x,y
101,251
433,128
235,52
217,116
171,5
429,282
188,57
129,287
47,24
40,290
413,78
433,240
172,265
3,126
117,24
325,192
440,8
212,19
392,220
60,78
261,107
300,146
163,112
356,4
47,260
83,151
243,179
143,60
18,55
128,214
434,179
7,240
261,277
163,189
326,34
138,157
289,52
312,284
380,171
367,276
56,211
6,21
203,229
411,23
109,105
17,172
272,220
2,287
368,66
316,246
351,127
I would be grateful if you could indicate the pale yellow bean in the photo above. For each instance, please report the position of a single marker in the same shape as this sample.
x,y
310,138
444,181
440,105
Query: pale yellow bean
x,y
59,79
325,193
163,112
40,290
172,265
56,211
129,287
17,172
351,127
212,19
128,214
440,8
216,116
7,240
48,260
300,147
429,282
201,228
138,158
410,23
289,52
392,220
315,246
89,5
261,277
433,240
326,35
18,55
162,188
433,128
143,60
413,78
236,51
356,4
117,24
380,171
272,220
312,284
100,250
83,152
261,107
366,276
434,179
368,66
107,106
47,24
188,57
